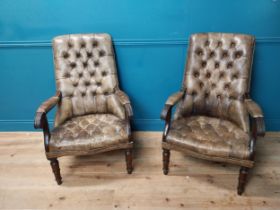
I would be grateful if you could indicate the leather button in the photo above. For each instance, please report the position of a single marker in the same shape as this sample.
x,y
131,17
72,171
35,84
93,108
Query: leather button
x,y
89,54
80,74
226,86
219,96
229,65
212,54
232,44
206,95
85,64
98,84
104,73
93,93
87,83
219,44
65,55
75,84
101,53
213,85
73,65
78,55
222,74
201,84
92,73
238,54
206,43
203,64
217,65
196,74
96,63
208,74
199,52
70,45
235,76
83,45
83,94
224,54
94,43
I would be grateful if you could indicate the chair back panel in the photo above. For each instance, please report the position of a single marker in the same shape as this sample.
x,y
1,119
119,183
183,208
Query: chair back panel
x,y
86,76
217,76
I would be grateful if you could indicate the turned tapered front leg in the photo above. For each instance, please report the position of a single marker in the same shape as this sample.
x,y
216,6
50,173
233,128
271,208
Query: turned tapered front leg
x,y
56,170
242,180
128,158
165,158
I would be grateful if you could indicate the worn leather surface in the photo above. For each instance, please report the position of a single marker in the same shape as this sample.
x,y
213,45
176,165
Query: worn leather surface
x,y
253,108
217,77
86,76
209,136
89,132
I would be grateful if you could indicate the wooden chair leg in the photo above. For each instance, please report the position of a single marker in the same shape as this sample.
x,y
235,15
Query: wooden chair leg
x,y
56,170
242,180
128,158
165,159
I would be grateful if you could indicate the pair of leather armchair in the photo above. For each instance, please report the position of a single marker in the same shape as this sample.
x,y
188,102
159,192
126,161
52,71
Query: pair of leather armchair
x,y
212,117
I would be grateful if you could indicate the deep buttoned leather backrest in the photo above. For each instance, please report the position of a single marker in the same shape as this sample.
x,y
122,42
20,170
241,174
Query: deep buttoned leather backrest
x,y
86,76
217,76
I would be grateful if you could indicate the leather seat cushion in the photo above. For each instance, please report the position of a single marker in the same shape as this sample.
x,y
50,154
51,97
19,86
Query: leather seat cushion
x,y
89,132
209,136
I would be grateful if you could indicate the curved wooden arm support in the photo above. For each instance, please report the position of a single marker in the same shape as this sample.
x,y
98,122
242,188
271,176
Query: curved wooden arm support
x,y
258,129
41,120
257,124
167,110
256,114
166,115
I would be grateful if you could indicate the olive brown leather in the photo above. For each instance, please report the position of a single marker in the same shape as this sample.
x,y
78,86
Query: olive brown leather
x,y
92,112
213,106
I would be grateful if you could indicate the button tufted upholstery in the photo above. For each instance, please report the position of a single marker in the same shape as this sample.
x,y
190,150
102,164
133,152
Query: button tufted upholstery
x,y
86,76
85,133
217,77
210,136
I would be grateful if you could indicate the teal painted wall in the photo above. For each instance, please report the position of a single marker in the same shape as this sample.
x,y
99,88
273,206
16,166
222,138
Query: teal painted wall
x,y
150,39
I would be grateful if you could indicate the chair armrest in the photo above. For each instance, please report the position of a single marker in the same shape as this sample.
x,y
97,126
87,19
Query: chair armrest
x,y
171,101
256,113
41,120
43,109
124,99
253,108
174,98
46,106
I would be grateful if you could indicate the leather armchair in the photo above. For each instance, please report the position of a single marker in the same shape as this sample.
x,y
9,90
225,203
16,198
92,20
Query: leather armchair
x,y
215,118
93,114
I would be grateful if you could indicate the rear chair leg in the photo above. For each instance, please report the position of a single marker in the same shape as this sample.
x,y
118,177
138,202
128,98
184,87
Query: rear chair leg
x,y
165,159
128,158
56,170
242,180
